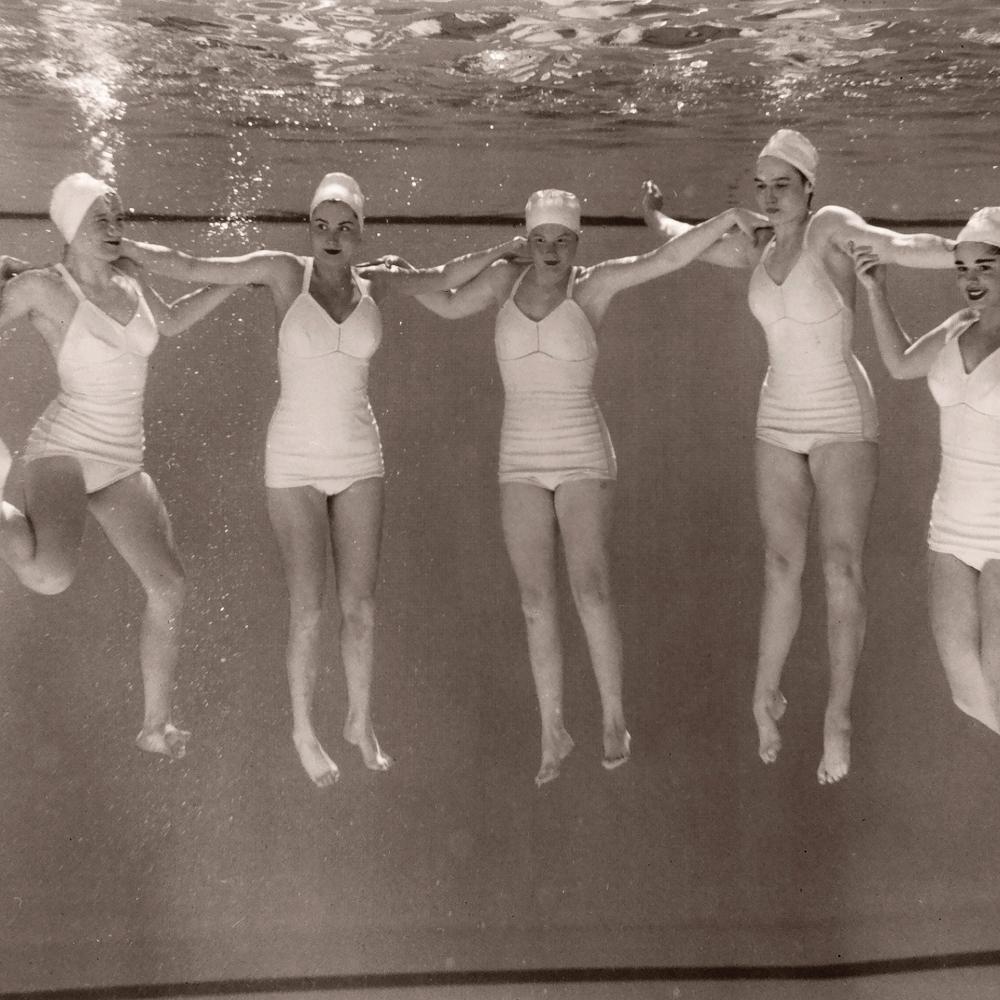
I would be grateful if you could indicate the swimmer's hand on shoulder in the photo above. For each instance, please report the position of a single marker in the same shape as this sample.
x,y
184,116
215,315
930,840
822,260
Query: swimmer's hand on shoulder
x,y
515,251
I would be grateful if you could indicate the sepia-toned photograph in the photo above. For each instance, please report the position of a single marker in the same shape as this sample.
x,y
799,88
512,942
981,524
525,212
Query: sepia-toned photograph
x,y
500,500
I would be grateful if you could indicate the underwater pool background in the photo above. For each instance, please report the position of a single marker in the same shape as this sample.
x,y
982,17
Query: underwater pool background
x,y
230,865
116,869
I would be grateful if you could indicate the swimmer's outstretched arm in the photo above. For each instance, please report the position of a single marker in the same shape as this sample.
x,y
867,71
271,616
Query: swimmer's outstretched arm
x,y
456,272
842,227
182,313
734,249
903,358
489,288
262,267
612,276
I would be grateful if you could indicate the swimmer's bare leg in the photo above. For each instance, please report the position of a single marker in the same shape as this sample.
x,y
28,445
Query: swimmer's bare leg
x,y
356,533
530,531
845,476
584,512
989,618
40,538
135,520
299,519
784,496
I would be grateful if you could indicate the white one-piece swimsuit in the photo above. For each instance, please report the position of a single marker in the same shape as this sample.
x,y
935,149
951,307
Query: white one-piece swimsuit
x,y
553,431
323,432
97,416
815,391
965,515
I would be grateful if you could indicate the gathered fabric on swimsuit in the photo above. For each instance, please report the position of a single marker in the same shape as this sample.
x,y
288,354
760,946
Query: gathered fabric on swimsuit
x,y
97,416
323,432
965,514
553,431
815,391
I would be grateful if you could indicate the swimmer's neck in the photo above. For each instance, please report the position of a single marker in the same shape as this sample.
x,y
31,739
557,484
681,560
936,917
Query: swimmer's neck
x,y
334,274
88,269
791,233
548,279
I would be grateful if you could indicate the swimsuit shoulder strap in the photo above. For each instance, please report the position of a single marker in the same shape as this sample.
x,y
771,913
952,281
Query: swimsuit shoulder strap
x,y
517,282
307,270
71,282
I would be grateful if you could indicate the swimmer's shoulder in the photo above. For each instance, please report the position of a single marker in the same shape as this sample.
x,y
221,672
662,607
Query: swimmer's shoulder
x,y
830,218
36,283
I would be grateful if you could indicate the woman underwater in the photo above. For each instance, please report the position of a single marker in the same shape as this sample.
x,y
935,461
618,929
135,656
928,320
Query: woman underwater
x,y
324,469
557,465
817,426
960,360
101,323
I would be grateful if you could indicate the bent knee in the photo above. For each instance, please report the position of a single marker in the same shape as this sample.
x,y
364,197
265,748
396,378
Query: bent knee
x,y
49,580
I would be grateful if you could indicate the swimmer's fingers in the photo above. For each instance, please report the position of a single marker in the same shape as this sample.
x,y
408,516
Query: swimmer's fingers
x,y
749,222
516,251
652,197
390,261
868,266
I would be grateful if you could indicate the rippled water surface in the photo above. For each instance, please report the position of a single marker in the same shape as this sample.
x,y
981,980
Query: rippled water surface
x,y
234,106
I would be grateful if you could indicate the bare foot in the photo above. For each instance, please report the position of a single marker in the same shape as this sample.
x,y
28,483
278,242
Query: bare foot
x,y
836,760
167,740
767,711
617,749
363,737
321,770
555,750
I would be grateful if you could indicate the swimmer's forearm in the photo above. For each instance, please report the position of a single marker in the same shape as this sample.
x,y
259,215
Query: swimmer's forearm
x,y
664,224
183,313
462,270
456,272
921,250
892,340
686,246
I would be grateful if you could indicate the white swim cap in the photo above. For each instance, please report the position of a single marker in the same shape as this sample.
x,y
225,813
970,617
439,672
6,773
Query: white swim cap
x,y
794,148
982,227
340,187
552,206
71,198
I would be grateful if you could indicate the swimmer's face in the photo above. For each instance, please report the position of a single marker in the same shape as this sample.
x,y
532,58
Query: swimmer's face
x,y
977,267
552,246
782,192
335,232
100,231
